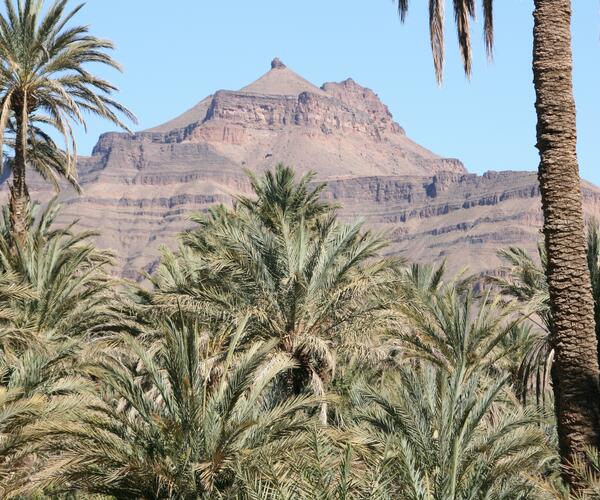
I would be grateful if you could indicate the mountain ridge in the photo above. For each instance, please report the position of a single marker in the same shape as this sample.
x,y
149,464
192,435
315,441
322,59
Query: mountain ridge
x,y
140,188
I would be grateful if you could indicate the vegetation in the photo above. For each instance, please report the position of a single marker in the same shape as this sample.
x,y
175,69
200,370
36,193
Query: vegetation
x,y
312,283
44,81
277,354
576,371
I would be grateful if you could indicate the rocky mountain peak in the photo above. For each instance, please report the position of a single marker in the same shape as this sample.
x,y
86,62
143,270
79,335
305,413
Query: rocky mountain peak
x,y
282,98
281,81
281,117
277,64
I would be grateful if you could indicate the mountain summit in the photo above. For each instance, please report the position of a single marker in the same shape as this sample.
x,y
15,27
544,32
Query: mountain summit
x,y
281,80
281,117
139,189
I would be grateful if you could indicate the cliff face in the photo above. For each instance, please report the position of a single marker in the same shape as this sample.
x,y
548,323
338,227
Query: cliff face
x,y
139,189
462,218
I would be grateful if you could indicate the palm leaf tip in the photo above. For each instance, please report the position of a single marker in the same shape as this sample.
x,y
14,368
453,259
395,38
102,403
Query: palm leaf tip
x,y
464,12
402,9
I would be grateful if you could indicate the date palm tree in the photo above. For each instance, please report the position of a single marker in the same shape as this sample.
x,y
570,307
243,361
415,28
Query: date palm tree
x,y
460,333
43,78
165,424
576,372
37,383
44,156
54,292
330,465
524,279
452,437
72,292
313,282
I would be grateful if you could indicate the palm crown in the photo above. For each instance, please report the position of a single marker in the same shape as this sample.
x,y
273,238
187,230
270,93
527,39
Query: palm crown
x,y
44,79
311,281
168,426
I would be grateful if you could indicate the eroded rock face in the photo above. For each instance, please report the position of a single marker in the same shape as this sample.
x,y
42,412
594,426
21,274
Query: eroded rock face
x,y
140,189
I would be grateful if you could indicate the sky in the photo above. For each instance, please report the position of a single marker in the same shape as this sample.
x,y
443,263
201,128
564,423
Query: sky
x,y
176,53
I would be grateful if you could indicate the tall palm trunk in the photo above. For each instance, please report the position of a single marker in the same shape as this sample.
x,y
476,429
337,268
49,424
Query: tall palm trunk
x,y
19,195
576,372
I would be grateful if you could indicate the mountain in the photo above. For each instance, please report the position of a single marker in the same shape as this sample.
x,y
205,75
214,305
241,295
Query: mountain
x,y
140,188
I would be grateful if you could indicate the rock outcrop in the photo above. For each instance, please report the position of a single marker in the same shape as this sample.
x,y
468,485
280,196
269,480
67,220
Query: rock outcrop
x,y
140,189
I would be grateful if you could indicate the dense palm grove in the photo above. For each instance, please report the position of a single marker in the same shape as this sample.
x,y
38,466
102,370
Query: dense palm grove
x,y
278,353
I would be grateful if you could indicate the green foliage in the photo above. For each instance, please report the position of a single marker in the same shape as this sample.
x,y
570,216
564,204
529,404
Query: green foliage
x,y
524,279
276,355
328,465
464,13
167,423
453,436
69,289
54,295
44,77
313,284
455,331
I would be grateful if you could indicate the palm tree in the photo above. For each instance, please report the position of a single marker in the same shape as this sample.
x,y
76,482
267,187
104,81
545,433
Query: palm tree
x,y
329,465
419,282
524,278
450,437
312,283
37,384
458,332
43,79
576,372
73,294
55,296
165,423
44,156
280,192
589,473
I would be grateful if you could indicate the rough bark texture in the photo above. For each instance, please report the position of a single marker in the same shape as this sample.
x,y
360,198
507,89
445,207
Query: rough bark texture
x,y
19,195
576,370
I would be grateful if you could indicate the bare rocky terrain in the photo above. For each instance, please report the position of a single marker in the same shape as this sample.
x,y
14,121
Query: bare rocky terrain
x,y
140,189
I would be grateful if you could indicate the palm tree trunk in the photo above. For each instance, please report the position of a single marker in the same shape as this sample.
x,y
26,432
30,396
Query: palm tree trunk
x,y
574,338
19,194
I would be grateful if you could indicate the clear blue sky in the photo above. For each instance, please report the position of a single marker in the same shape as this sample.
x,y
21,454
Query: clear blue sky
x,y
175,53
